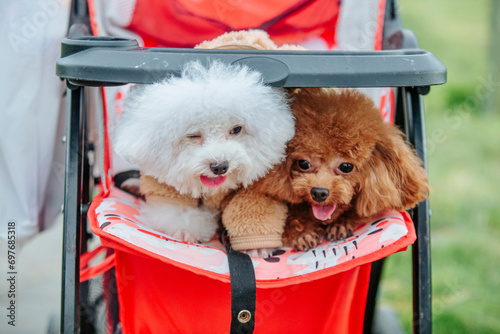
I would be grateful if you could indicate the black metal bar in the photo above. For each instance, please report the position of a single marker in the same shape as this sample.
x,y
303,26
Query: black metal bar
x,y
422,293
72,320
72,214
87,312
371,298
111,297
421,252
80,9
86,178
79,19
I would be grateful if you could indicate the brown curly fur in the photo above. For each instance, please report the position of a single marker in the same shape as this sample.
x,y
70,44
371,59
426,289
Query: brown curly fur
x,y
332,127
335,127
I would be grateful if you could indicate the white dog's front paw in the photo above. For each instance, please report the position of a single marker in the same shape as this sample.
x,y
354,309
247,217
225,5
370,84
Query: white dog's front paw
x,y
200,224
260,252
185,224
186,236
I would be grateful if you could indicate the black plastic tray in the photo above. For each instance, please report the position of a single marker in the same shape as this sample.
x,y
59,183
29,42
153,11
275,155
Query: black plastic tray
x,y
108,61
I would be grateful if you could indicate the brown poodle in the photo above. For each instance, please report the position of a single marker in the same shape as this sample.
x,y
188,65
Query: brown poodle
x,y
344,166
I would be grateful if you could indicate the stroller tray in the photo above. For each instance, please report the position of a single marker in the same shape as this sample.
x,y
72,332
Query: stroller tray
x,y
107,61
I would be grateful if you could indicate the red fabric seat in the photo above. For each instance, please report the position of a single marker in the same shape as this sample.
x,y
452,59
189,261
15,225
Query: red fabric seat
x,y
184,287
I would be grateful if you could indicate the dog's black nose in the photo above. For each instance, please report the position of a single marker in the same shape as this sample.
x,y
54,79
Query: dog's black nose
x,y
319,194
219,168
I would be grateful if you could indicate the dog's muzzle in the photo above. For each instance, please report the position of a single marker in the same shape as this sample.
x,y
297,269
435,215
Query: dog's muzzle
x,y
219,168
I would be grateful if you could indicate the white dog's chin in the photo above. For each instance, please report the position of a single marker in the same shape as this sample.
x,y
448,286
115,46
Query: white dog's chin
x,y
185,224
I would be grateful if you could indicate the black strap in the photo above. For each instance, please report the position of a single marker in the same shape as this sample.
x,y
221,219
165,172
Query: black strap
x,y
243,292
121,177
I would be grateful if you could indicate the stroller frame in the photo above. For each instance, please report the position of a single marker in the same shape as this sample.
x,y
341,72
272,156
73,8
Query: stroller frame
x,y
108,61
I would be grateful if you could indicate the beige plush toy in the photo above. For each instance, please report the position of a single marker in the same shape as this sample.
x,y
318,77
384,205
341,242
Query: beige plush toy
x,y
199,137
245,40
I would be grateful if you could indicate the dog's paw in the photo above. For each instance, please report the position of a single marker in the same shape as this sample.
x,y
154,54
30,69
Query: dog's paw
x,y
200,223
186,236
185,224
339,231
305,242
301,236
260,252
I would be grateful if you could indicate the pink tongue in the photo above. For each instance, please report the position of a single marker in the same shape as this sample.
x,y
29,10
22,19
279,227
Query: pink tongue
x,y
323,212
213,182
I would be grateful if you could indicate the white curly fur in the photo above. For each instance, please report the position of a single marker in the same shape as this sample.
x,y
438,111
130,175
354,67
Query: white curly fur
x,y
210,101
186,224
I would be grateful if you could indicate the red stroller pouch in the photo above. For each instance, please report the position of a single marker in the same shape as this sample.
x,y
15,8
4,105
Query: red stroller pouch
x,y
168,286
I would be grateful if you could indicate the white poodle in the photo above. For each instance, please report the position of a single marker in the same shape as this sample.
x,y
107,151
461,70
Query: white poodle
x,y
197,137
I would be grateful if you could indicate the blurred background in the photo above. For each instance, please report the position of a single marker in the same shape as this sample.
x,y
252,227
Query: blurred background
x,y
463,134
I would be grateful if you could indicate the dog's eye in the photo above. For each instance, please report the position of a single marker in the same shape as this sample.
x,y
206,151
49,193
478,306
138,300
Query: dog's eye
x,y
236,130
346,167
304,164
194,136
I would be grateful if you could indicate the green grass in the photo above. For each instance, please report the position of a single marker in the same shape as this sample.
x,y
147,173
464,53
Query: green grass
x,y
464,170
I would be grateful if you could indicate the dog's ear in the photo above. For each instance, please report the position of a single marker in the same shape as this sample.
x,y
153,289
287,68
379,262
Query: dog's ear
x,y
278,182
292,92
393,178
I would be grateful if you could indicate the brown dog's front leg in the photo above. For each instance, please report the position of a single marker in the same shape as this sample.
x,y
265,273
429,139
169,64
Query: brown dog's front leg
x,y
254,220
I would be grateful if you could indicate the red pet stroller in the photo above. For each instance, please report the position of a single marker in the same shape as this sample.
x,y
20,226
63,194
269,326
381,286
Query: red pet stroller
x,y
150,283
